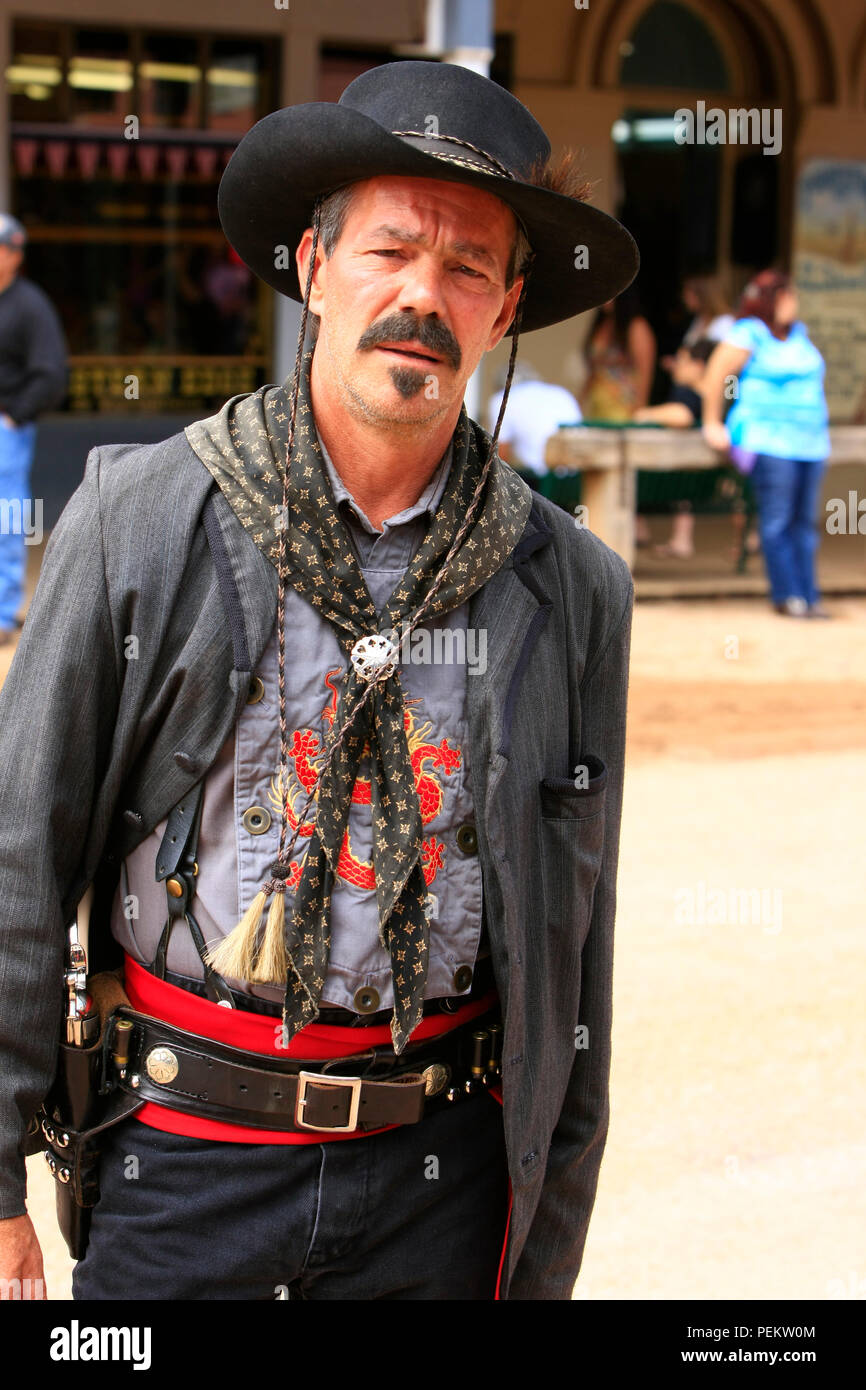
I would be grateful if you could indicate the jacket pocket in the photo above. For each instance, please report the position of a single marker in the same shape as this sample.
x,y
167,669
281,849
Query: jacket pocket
x,y
572,839
566,798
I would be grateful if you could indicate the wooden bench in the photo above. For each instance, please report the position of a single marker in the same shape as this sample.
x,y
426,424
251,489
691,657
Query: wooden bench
x,y
608,458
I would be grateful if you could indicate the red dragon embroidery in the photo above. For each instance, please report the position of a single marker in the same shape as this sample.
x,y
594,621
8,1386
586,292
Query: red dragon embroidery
x,y
305,752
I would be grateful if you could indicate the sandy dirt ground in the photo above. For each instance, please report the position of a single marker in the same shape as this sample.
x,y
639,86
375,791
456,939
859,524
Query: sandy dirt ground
x,y
736,1156
735,1162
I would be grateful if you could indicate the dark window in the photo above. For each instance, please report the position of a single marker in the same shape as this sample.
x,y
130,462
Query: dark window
x,y
235,79
754,240
340,66
671,206
124,234
502,62
100,77
34,77
671,47
169,81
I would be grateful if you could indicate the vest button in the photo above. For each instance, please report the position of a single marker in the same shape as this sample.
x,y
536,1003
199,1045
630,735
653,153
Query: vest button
x,y
366,999
175,887
462,978
256,819
257,690
467,839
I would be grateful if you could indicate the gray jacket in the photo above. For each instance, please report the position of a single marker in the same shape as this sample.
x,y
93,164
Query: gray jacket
x,y
100,735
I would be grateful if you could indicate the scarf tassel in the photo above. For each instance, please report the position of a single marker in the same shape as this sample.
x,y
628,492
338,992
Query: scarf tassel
x,y
236,957
273,962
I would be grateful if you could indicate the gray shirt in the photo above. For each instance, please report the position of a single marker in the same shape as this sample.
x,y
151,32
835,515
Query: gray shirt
x,y
239,834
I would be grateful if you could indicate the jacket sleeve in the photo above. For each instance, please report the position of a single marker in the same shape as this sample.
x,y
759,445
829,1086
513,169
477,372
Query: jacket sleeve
x,y
550,1260
58,708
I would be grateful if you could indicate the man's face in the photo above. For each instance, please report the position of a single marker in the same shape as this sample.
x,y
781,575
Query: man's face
x,y
10,259
412,296
786,306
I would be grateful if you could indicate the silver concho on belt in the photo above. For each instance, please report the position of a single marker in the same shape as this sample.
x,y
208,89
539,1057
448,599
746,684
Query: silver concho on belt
x,y
436,1078
161,1065
375,657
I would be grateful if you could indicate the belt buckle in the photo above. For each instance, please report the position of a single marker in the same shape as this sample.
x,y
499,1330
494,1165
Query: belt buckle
x,y
321,1079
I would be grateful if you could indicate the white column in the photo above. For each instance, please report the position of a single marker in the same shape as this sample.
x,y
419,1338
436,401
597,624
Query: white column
x,y
462,31
300,79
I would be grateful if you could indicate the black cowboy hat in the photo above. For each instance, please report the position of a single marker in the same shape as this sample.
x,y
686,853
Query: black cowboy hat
x,y
422,120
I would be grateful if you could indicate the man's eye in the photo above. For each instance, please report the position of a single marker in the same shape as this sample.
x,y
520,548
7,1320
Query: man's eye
x,y
389,251
476,274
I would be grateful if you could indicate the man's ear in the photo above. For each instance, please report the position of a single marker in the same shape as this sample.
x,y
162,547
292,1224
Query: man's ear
x,y
503,321
302,261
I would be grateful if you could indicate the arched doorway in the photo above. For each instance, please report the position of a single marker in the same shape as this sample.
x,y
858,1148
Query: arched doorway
x,y
704,197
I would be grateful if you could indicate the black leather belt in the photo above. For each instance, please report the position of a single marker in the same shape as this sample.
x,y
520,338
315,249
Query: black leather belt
x,y
482,980
197,1076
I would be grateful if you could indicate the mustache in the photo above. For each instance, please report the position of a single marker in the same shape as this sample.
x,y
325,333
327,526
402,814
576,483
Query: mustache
x,y
405,328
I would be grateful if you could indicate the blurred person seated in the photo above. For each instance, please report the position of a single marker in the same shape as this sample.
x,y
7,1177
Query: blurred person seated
x,y
682,410
534,412
620,353
703,297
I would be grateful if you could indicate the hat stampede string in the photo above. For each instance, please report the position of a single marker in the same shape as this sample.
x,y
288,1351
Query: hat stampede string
x,y
240,955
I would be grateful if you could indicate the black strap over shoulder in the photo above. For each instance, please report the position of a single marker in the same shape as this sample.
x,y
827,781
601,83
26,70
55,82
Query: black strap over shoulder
x,y
176,865
181,834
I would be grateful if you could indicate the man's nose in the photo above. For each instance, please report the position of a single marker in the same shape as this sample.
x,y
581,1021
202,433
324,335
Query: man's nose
x,y
422,288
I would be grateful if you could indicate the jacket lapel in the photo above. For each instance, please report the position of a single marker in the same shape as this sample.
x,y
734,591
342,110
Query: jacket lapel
x,y
512,609
255,581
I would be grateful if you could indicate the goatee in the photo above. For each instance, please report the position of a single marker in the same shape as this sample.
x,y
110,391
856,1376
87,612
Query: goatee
x,y
408,380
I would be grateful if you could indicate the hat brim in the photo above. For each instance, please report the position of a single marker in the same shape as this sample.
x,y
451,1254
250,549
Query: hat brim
x,y
292,156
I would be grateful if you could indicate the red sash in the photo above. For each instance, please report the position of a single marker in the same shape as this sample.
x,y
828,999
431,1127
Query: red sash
x,y
263,1034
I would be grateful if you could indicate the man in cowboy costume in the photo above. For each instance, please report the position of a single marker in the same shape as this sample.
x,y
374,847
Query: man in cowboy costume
x,y
389,1078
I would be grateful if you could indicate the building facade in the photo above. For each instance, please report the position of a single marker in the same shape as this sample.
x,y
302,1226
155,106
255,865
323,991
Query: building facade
x,y
118,123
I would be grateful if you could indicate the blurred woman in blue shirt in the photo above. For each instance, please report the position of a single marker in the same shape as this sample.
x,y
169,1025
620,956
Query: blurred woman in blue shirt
x,y
777,426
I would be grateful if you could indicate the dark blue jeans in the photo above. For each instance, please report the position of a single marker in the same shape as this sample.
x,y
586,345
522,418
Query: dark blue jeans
x,y
416,1213
788,494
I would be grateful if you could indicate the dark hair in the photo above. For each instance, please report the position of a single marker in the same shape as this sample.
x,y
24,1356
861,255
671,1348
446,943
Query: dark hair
x,y
626,307
758,300
708,292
